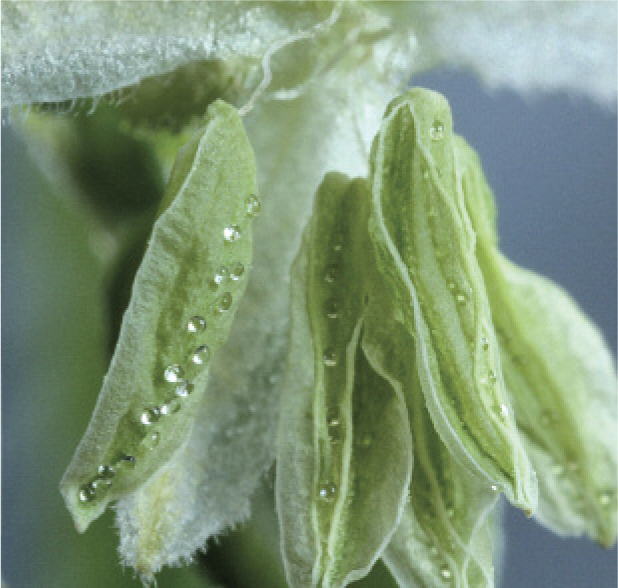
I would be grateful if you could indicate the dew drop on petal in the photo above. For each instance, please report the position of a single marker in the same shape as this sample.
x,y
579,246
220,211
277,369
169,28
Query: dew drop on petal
x,y
196,324
170,407
184,388
366,439
224,303
605,498
173,373
327,492
201,355
436,131
237,271
253,206
150,416
220,275
331,273
232,233
87,493
332,308
329,358
106,472
151,441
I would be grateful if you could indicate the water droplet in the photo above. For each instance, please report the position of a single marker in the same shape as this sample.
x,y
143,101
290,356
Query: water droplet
x,y
196,324
170,407
150,416
173,373
201,355
492,376
450,512
184,388
101,485
106,472
494,488
334,429
337,247
253,206
483,380
232,233
220,275
445,572
331,273
461,299
237,271
557,469
436,131
332,308
334,421
224,304
485,343
366,439
605,498
127,460
502,410
425,173
327,492
151,441
329,358
87,493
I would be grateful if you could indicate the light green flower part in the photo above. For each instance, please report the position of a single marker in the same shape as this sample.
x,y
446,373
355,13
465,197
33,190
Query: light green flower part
x,y
325,71
344,457
425,247
560,376
447,533
184,297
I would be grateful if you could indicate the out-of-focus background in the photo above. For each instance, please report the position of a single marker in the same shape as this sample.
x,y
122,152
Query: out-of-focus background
x,y
552,164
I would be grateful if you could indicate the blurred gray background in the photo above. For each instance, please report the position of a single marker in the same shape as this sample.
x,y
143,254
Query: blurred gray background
x,y
551,162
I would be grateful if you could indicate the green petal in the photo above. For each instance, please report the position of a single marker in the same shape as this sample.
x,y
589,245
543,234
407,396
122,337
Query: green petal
x,y
425,246
184,297
344,456
446,532
561,379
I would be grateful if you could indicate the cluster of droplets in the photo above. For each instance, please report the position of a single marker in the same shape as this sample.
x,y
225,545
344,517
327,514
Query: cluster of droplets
x,y
327,490
437,560
198,358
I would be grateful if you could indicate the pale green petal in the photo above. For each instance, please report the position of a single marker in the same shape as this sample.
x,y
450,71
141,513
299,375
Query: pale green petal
x,y
295,142
177,318
446,534
562,382
560,376
425,245
344,456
